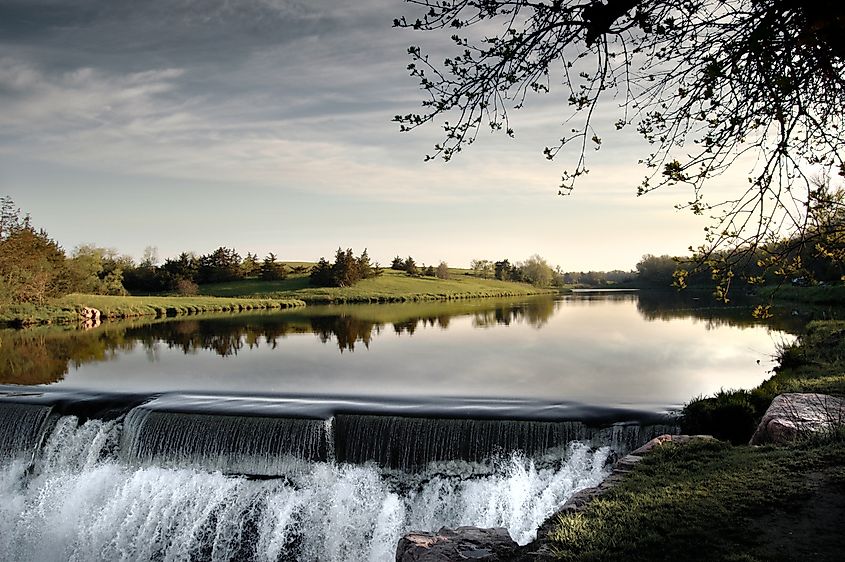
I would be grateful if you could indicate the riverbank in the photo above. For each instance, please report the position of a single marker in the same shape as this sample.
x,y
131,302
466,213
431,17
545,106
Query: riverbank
x,y
818,294
69,309
815,363
717,501
254,294
709,500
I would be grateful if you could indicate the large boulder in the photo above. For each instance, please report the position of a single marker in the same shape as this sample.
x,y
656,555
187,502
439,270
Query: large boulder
x,y
463,543
795,415
89,317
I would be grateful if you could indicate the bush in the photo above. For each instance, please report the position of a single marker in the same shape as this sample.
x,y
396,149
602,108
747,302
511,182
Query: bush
x,y
442,271
186,287
730,415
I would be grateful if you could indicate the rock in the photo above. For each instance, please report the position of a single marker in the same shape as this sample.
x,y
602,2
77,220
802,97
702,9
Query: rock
x,y
453,545
676,439
89,317
794,415
473,543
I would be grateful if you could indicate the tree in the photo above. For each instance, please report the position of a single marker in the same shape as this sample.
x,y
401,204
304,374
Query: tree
x,y
398,264
223,264
186,266
250,266
503,270
344,272
708,84
272,270
656,271
365,268
482,268
536,271
345,269
96,270
410,266
321,274
429,271
150,258
32,265
442,271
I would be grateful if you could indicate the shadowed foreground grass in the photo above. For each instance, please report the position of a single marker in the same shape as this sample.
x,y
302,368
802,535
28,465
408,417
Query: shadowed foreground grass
x,y
713,501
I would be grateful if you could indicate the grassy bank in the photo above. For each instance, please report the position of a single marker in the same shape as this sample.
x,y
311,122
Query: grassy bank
x,y
711,501
815,363
66,309
392,286
256,294
819,294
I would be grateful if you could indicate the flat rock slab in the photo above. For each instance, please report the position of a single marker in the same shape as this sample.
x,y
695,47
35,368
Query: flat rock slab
x,y
795,415
453,545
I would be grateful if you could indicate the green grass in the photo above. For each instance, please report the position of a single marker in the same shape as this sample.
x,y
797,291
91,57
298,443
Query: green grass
x,y
818,294
398,312
392,286
711,501
30,315
66,309
816,363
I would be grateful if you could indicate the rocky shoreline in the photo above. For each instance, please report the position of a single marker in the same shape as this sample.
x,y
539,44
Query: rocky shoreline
x,y
790,417
496,545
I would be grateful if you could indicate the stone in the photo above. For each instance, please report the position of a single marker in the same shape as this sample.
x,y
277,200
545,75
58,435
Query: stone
x,y
473,543
89,317
676,439
454,545
794,415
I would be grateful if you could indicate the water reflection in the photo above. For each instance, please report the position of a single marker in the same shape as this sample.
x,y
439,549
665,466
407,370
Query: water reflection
x,y
45,355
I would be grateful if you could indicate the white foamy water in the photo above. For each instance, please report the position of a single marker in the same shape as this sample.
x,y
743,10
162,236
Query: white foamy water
x,y
80,502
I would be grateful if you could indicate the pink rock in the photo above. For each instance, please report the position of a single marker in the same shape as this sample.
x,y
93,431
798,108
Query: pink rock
x,y
794,415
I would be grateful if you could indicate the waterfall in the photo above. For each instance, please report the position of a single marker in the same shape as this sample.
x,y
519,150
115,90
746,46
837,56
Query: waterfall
x,y
21,427
160,484
404,442
408,443
82,502
257,446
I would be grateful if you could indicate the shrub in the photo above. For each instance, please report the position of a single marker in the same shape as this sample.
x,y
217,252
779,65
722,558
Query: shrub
x,y
730,415
186,287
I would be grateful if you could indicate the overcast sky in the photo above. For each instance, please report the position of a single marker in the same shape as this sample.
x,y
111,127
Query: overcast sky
x,y
265,125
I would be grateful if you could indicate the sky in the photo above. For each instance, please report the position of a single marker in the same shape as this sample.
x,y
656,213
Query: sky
x,y
265,125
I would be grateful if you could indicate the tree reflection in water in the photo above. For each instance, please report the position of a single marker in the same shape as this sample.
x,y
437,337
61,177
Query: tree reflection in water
x,y
45,355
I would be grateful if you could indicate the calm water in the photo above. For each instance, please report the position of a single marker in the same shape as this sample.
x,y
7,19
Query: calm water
x,y
613,350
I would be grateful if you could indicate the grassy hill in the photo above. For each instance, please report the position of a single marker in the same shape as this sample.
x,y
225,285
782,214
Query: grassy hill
x,y
392,286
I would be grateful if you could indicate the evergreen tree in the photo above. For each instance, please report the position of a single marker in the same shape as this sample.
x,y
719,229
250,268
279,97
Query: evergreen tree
x,y
271,270
345,268
365,269
250,266
321,274
411,266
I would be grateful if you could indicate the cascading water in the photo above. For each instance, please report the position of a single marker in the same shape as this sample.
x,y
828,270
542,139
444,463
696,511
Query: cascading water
x,y
259,446
21,427
160,485
409,442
